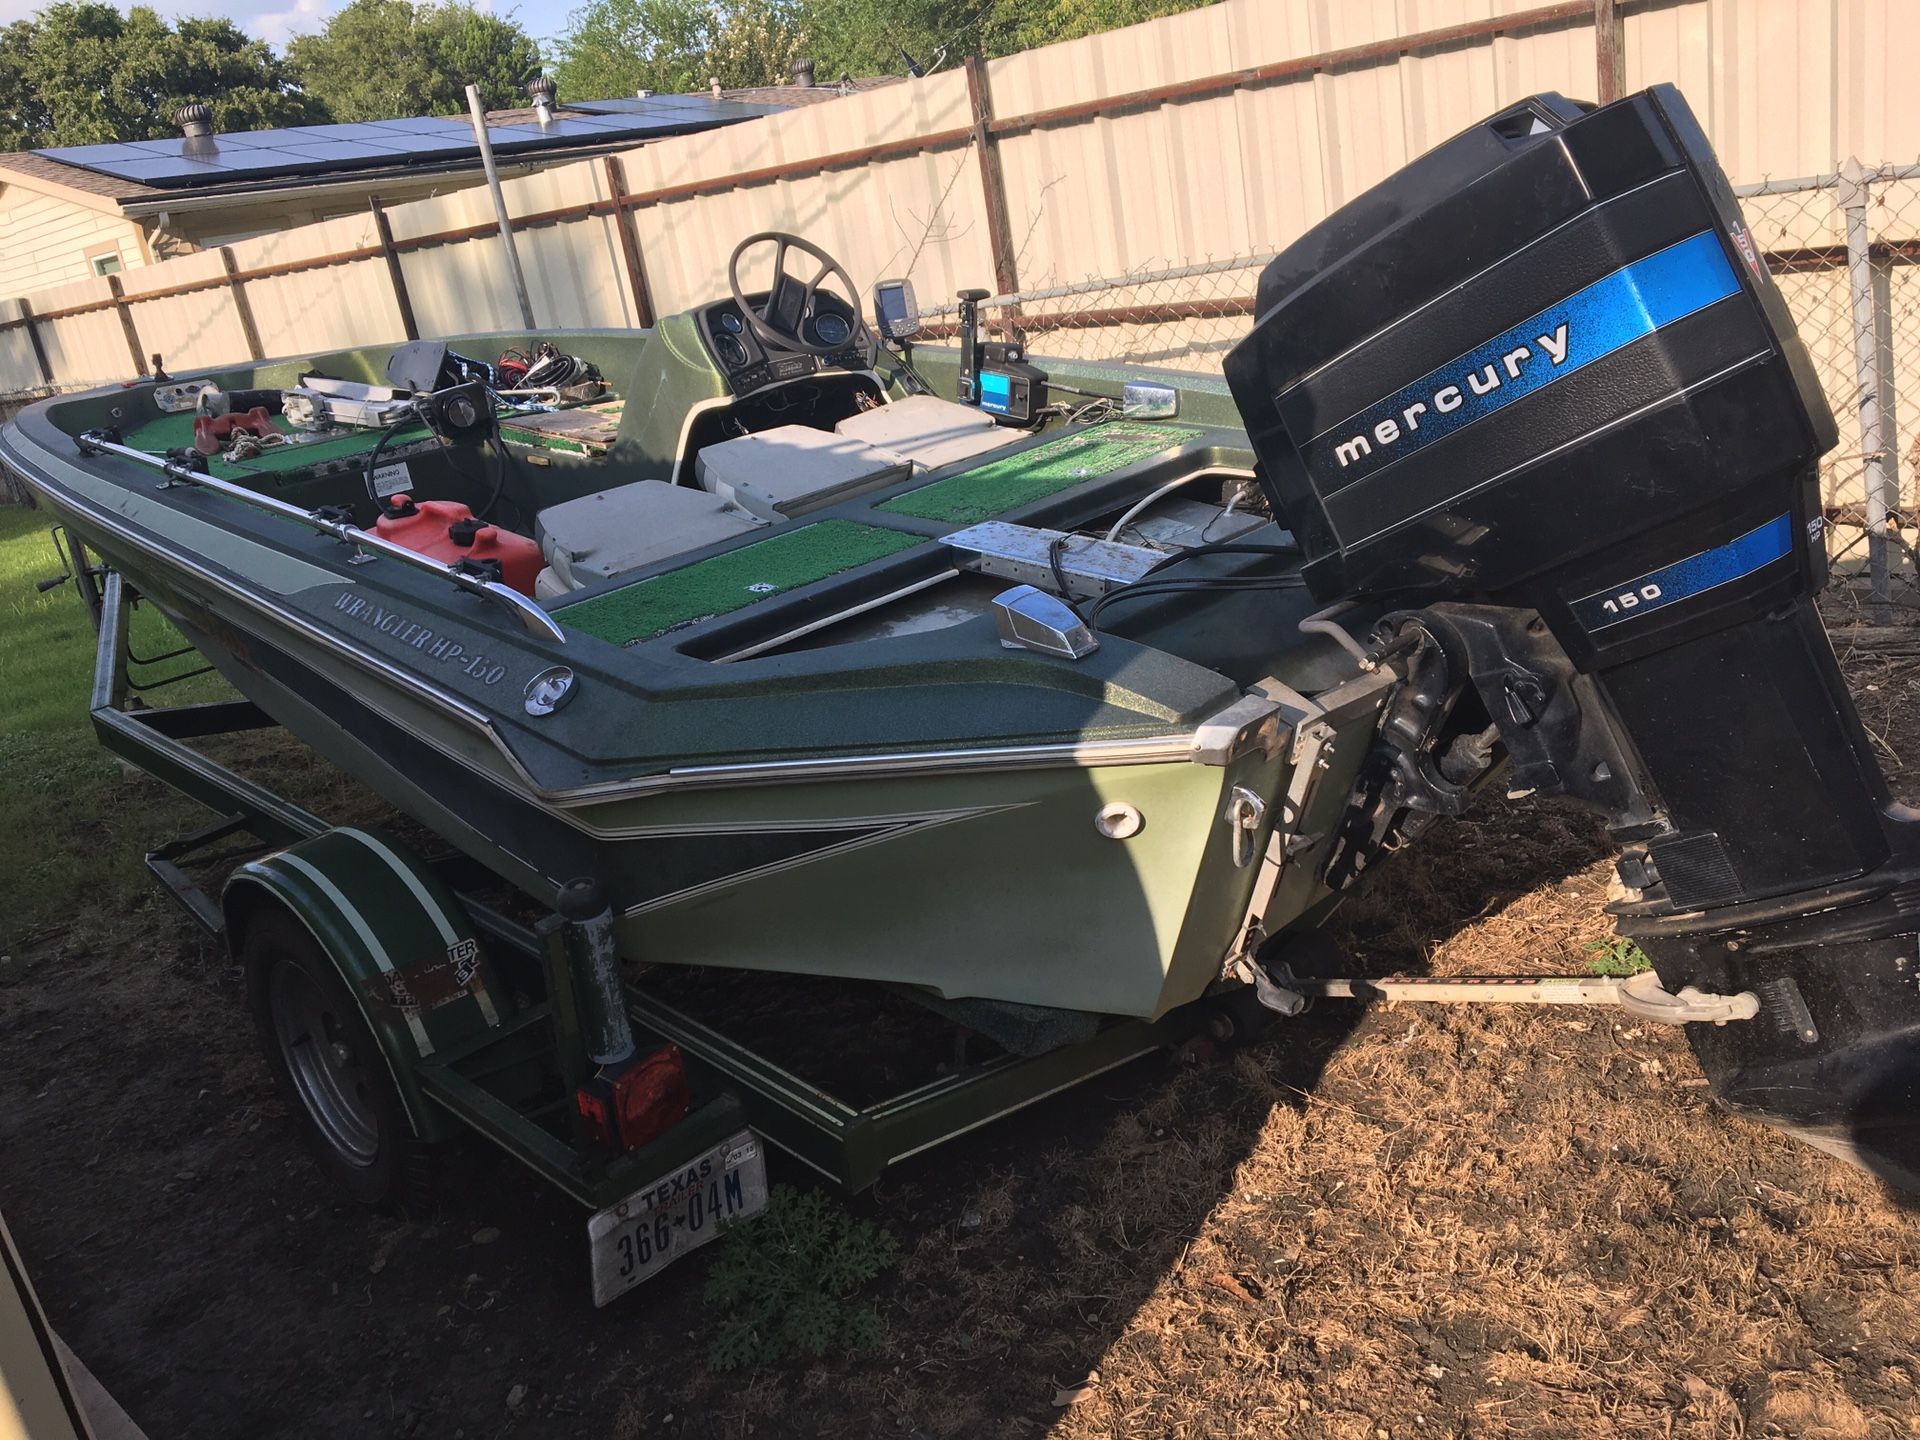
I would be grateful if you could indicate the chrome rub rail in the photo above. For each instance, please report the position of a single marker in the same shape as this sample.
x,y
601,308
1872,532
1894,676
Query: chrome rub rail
x,y
365,544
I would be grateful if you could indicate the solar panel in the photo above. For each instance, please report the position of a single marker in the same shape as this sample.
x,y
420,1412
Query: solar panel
x,y
293,150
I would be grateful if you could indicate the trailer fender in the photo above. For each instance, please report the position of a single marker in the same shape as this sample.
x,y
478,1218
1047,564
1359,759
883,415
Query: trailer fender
x,y
401,941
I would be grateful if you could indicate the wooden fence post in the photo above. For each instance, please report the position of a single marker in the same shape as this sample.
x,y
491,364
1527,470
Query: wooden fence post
x,y
126,323
242,306
396,276
629,244
993,182
1610,56
39,345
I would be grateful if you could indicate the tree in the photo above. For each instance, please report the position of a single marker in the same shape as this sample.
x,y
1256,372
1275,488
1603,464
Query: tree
x,y
380,59
83,73
615,47
1016,25
866,37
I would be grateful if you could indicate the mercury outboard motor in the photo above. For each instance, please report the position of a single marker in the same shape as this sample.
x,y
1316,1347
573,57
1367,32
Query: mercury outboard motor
x,y
1538,397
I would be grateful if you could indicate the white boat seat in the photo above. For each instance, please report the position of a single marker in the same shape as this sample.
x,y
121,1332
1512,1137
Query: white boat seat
x,y
622,529
785,472
929,431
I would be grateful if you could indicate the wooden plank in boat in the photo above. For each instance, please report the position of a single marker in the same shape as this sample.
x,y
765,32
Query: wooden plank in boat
x,y
589,430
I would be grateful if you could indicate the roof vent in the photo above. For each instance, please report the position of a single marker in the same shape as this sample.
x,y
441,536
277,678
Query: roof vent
x,y
541,90
802,72
713,83
195,121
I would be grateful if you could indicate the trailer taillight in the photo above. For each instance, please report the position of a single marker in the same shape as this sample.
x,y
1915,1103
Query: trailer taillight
x,y
630,1104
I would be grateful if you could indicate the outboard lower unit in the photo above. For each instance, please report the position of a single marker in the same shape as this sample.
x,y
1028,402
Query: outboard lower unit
x,y
1536,404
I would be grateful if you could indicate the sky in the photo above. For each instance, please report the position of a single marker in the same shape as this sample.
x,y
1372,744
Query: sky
x,y
277,21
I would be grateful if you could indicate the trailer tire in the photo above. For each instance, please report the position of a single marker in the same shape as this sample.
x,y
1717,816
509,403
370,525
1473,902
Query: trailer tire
x,y
330,1069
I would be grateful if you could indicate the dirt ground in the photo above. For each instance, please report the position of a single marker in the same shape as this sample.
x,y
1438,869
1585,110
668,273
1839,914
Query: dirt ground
x,y
1385,1223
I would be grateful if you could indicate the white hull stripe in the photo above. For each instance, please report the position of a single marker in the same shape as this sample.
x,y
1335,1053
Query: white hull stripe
x,y
354,918
441,920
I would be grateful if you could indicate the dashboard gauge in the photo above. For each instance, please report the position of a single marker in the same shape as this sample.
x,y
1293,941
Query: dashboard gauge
x,y
831,329
731,322
731,352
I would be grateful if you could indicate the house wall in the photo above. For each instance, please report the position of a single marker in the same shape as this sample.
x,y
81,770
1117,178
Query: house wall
x,y
45,240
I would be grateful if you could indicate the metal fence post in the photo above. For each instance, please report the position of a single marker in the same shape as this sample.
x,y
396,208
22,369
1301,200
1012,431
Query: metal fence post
x,y
1853,195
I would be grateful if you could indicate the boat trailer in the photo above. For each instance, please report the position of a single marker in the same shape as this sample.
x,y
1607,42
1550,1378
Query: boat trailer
x,y
556,1006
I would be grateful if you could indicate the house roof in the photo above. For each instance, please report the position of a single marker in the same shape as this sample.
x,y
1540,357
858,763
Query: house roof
x,y
820,94
139,175
71,177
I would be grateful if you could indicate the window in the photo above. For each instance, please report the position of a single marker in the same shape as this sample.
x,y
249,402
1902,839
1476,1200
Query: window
x,y
105,264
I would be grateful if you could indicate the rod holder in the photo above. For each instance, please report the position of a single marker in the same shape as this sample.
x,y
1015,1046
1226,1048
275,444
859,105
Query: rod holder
x,y
595,963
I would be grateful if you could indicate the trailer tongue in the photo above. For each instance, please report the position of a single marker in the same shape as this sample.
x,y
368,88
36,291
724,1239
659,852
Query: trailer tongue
x,y
1536,404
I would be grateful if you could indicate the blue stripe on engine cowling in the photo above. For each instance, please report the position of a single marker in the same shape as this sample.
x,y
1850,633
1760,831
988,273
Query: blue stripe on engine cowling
x,y
1685,578
1614,311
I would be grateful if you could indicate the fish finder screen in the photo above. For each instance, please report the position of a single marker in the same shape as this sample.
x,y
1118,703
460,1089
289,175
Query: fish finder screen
x,y
895,310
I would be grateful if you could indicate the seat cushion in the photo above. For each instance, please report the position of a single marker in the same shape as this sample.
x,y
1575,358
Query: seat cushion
x,y
785,472
631,526
929,431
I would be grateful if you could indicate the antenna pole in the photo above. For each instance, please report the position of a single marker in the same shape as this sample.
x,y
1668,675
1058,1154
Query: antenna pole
x,y
479,113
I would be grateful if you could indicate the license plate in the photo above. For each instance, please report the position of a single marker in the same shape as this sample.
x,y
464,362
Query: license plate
x,y
643,1234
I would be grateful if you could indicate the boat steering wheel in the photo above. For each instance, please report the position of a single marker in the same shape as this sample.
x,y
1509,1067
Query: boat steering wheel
x,y
789,304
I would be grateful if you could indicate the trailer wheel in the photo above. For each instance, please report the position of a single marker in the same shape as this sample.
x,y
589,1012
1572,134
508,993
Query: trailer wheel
x,y
330,1068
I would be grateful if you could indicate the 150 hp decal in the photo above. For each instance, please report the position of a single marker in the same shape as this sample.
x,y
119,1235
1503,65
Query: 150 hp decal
x,y
422,638
1612,312
1683,579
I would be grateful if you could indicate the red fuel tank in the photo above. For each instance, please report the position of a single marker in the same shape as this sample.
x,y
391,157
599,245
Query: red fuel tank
x,y
447,531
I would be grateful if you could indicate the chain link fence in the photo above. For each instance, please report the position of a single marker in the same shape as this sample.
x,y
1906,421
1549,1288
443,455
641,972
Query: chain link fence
x,y
1844,249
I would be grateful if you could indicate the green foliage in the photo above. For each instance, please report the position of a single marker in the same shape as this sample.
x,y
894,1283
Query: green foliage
x,y
1618,957
1014,25
865,37
786,1281
616,47
81,73
377,59
72,828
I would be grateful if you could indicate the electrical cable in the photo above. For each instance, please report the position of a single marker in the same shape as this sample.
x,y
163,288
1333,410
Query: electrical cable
x,y
1054,547
1142,589
372,462
1219,547
1153,497
1146,586
499,446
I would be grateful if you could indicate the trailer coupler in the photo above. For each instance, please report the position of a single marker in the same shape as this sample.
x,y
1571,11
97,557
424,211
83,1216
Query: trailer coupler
x,y
1640,996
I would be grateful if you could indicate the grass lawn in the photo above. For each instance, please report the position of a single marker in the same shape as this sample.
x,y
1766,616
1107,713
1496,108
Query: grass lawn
x,y
73,822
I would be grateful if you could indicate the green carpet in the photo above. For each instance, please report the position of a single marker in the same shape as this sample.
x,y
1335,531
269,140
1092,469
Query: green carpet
x,y
1015,480
175,432
732,580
